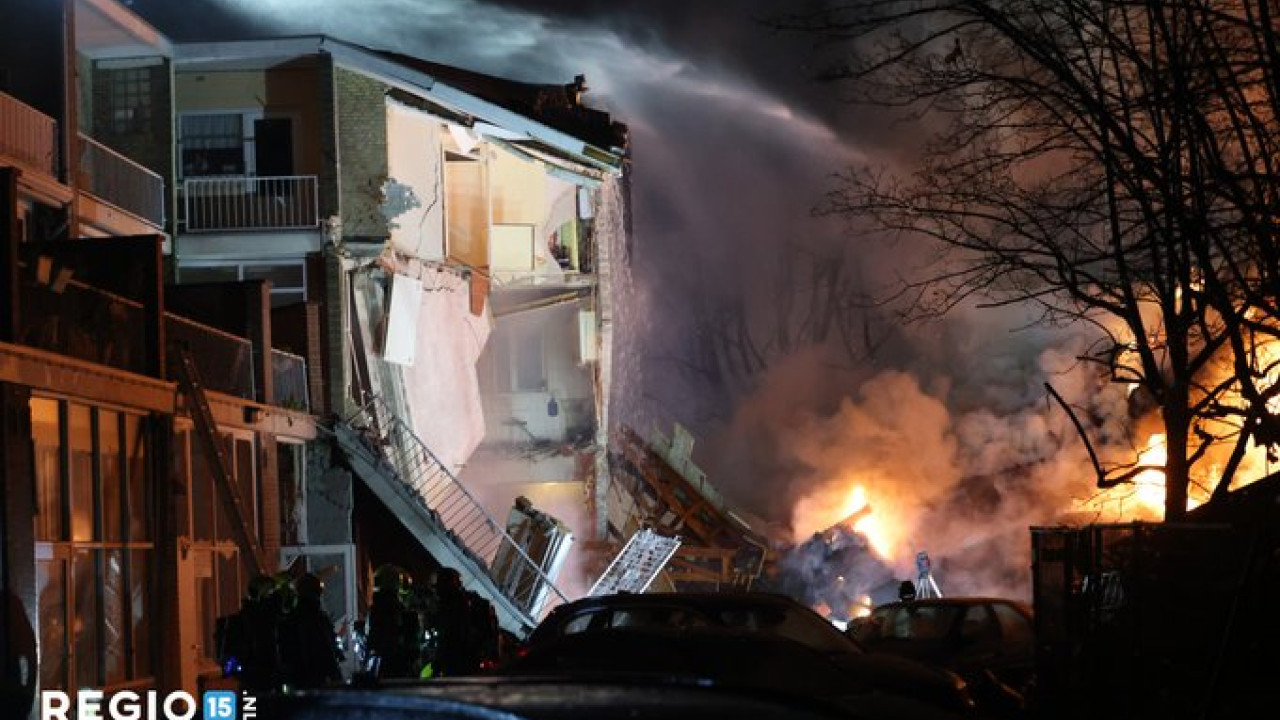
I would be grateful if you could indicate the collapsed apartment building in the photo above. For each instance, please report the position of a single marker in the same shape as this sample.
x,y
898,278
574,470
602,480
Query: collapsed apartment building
x,y
657,495
282,304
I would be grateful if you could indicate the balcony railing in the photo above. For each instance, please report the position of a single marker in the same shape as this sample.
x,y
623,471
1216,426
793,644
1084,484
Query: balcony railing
x,y
69,317
289,379
523,580
80,321
28,135
225,361
120,181
250,203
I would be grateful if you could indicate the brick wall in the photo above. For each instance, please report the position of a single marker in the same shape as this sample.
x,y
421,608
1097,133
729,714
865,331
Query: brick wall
x,y
328,179
362,154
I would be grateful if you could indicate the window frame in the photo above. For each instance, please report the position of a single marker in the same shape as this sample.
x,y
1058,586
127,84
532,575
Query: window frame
x,y
248,149
241,265
129,98
63,552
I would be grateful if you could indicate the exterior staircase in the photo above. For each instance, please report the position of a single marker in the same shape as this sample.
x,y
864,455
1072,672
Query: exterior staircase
x,y
443,515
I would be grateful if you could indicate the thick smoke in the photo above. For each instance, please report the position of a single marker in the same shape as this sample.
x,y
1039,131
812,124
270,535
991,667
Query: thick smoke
x,y
958,466
947,426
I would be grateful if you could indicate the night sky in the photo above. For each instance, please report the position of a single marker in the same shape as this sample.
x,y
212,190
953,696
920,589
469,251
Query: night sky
x,y
734,143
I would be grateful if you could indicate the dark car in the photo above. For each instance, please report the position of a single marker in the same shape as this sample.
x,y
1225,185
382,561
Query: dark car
x,y
988,641
738,641
557,698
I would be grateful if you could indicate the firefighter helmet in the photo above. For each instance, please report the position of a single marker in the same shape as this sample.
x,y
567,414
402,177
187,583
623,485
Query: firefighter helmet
x,y
309,586
390,578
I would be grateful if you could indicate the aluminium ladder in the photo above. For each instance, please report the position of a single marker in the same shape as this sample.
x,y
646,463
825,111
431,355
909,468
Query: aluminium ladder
x,y
635,568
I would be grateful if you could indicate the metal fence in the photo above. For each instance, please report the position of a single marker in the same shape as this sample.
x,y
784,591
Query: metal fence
x,y
225,361
289,379
120,181
28,135
250,203
71,318
1136,619
469,523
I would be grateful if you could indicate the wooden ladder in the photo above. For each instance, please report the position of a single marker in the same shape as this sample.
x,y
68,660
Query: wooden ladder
x,y
207,432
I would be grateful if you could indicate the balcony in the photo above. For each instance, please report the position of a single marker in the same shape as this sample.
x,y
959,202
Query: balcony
x,y
121,182
63,315
68,317
225,361
251,203
28,136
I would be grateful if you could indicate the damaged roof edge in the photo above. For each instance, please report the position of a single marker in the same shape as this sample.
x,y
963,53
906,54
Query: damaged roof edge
x,y
398,75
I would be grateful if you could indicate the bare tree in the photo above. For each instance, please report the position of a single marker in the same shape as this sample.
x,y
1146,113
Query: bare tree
x,y
815,299
1109,162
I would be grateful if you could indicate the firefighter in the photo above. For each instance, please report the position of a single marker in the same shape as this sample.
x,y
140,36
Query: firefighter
x,y
484,632
308,649
247,640
422,602
392,629
452,625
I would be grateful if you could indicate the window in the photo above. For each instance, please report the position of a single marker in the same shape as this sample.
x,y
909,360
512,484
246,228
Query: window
x,y
288,279
213,145
979,627
130,100
46,435
1014,626
220,571
209,518
94,534
291,471
220,581
51,583
921,622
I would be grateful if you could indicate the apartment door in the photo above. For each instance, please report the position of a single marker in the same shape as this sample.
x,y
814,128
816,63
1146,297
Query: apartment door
x,y
273,141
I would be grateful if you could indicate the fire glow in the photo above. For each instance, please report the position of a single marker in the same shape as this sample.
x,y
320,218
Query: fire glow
x,y
852,506
868,523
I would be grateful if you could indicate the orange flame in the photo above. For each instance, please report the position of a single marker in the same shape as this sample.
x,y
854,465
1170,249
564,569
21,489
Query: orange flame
x,y
870,524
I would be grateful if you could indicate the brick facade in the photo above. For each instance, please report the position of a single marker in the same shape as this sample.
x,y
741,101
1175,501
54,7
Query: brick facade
x,y
328,176
361,112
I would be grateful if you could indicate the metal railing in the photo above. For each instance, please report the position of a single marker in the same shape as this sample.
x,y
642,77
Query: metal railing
x,y
289,380
225,361
457,509
120,181
28,135
250,203
72,318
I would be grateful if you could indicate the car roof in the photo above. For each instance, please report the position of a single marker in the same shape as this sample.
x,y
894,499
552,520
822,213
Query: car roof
x,y
710,600
958,601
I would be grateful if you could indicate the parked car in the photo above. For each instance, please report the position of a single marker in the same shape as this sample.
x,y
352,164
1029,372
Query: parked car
x,y
555,698
990,642
738,641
